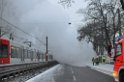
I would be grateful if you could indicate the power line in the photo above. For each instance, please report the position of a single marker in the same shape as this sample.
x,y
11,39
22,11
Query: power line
x,y
22,30
15,26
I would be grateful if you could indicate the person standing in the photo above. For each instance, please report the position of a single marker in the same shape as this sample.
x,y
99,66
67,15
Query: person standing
x,y
118,44
93,60
109,50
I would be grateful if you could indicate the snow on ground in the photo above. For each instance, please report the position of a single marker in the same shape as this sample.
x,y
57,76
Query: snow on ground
x,y
47,76
104,68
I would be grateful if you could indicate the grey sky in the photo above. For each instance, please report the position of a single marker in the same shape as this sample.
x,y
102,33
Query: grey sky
x,y
47,18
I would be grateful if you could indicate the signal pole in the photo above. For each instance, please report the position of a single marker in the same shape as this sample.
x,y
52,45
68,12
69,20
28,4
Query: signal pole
x,y
46,54
0,32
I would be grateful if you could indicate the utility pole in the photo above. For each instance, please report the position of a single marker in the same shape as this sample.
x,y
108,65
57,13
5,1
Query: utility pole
x,y
46,54
1,19
0,32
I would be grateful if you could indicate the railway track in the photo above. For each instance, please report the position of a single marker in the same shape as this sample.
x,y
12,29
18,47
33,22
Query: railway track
x,y
12,70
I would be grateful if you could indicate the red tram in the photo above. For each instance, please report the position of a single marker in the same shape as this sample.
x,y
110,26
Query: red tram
x,y
4,51
16,53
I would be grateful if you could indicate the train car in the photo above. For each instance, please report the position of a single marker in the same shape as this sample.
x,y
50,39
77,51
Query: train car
x,y
21,53
4,51
12,52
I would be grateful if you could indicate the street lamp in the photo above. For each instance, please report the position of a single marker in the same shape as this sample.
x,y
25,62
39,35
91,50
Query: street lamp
x,y
69,23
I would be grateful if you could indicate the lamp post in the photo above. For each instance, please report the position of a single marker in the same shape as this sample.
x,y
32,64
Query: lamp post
x,y
46,54
1,17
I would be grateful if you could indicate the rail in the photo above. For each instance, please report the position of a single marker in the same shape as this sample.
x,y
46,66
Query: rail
x,y
8,70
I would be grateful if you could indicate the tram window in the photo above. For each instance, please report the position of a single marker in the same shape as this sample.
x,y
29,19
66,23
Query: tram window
x,y
118,49
18,52
31,55
3,51
25,53
28,53
14,52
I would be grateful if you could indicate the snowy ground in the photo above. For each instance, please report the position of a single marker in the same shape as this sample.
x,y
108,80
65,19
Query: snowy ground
x,y
104,68
47,76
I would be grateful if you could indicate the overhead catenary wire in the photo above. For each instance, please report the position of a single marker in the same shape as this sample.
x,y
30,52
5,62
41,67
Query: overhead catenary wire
x,y
22,30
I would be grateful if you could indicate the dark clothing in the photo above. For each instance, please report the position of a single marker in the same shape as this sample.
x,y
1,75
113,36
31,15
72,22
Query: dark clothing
x,y
93,60
109,50
97,61
121,37
118,46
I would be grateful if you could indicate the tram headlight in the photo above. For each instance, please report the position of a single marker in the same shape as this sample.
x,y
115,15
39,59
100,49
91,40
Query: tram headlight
x,y
115,74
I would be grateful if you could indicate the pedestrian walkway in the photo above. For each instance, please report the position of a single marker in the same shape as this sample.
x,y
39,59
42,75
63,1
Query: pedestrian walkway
x,y
104,68
47,76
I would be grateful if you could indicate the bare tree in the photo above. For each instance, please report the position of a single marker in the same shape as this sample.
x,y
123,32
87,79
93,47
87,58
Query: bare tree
x,y
103,21
66,3
122,3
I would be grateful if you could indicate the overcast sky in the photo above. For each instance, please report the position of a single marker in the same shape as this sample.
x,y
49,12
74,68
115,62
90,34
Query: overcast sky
x,y
43,18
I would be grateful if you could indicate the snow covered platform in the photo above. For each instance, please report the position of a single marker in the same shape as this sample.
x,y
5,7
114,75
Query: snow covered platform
x,y
104,68
47,76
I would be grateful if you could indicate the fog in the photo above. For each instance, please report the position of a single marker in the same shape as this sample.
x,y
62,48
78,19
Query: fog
x,y
42,18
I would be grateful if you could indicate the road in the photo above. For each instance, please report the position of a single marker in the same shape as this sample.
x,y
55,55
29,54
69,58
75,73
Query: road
x,y
81,74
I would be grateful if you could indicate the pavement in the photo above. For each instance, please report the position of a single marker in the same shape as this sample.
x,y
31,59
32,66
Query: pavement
x,y
66,73
104,68
81,74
